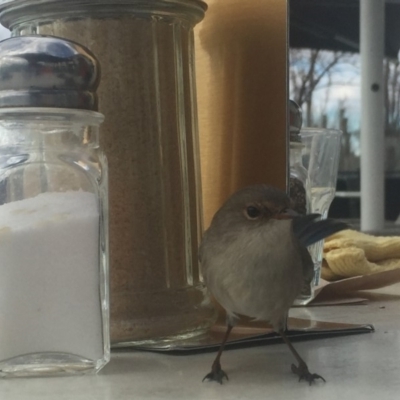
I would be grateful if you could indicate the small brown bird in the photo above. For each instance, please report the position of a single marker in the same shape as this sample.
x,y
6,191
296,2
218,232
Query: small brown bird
x,y
255,261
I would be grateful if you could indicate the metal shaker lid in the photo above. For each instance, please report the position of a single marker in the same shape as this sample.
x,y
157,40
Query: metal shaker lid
x,y
47,71
296,120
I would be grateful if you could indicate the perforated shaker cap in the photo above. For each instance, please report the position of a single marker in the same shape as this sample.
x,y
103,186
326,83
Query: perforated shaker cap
x,y
47,71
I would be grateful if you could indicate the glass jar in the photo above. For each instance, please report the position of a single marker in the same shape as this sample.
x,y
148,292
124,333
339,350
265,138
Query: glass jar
x,y
298,174
298,178
299,194
298,182
321,156
53,211
150,137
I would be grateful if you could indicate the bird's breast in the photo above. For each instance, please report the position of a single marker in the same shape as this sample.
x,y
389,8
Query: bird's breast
x,y
257,272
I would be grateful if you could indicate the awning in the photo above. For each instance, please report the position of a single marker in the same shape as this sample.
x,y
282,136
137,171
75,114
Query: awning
x,y
335,25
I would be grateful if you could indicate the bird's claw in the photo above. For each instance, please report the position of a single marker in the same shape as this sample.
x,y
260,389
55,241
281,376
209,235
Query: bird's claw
x,y
216,374
303,373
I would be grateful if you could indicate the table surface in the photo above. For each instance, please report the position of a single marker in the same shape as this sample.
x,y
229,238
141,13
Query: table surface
x,y
365,366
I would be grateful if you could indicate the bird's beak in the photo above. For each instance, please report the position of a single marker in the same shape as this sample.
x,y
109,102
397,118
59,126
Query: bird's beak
x,y
291,213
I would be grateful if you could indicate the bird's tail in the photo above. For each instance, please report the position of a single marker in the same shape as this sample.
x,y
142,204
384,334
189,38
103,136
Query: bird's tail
x,y
309,229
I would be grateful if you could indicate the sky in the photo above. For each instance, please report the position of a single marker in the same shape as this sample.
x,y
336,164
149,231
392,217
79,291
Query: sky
x,y
340,89
4,32
349,96
344,91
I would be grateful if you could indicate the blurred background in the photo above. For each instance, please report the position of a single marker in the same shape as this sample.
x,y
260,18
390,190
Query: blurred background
x,y
325,80
4,33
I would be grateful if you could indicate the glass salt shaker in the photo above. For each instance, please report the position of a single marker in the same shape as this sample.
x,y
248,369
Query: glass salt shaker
x,y
53,211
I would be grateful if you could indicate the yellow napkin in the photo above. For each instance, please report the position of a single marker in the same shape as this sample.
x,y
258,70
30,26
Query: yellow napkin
x,y
351,253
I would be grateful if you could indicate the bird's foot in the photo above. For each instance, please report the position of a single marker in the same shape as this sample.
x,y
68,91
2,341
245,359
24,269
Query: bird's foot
x,y
216,374
303,373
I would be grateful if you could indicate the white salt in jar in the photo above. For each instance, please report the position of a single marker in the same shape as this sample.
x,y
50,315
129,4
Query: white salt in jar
x,y
53,211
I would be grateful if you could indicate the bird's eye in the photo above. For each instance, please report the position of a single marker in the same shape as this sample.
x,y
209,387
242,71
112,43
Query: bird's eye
x,y
252,212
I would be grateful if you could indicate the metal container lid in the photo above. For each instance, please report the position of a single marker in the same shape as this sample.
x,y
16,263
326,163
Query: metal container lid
x,y
15,12
47,71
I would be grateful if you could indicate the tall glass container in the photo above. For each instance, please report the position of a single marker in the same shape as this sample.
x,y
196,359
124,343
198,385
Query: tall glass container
x,y
297,172
321,156
53,211
150,138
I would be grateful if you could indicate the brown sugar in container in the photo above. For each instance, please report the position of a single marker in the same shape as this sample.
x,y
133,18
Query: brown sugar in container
x,y
147,94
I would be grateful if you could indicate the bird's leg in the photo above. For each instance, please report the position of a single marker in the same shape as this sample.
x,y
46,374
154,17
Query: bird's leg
x,y
301,370
217,374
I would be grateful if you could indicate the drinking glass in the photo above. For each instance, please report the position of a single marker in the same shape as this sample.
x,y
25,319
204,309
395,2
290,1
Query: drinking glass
x,y
320,157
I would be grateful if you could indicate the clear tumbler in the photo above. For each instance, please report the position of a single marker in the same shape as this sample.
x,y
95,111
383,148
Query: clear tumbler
x,y
321,152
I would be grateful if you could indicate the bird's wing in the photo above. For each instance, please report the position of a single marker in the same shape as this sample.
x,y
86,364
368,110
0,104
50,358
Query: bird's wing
x,y
308,265
309,229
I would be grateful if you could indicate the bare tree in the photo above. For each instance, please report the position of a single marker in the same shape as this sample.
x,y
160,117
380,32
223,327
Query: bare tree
x,y
308,68
314,70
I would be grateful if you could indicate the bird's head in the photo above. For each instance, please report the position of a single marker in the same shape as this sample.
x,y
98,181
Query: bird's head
x,y
254,205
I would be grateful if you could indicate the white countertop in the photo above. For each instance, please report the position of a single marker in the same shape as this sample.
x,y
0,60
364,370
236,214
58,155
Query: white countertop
x,y
365,366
